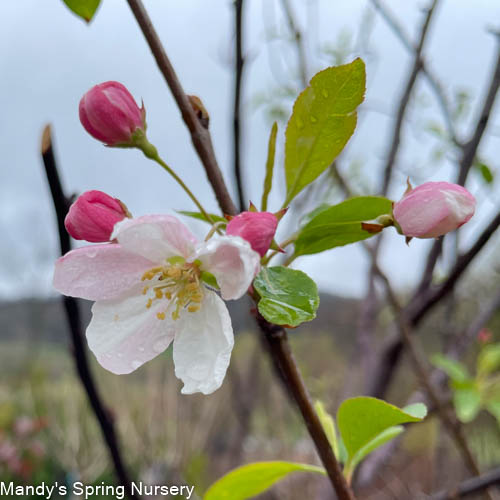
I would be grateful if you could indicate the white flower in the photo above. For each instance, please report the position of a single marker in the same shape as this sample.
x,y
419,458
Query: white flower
x,y
150,290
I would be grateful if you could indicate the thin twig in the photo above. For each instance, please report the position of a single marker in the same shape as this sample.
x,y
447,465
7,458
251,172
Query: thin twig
x,y
405,99
432,79
71,307
239,63
276,338
470,148
299,41
199,134
469,486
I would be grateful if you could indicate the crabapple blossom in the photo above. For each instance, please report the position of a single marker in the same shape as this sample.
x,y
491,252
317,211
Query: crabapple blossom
x,y
150,289
433,209
110,114
93,215
258,228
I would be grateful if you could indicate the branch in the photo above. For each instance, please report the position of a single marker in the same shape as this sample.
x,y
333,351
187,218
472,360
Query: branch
x,y
71,306
199,134
238,75
276,338
299,41
405,98
469,486
470,148
432,79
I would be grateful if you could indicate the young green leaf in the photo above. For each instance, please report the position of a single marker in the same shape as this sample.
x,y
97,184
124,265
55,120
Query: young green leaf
x,y
268,180
362,419
467,402
454,369
340,224
322,121
485,171
200,216
83,8
328,425
287,296
488,360
252,479
384,437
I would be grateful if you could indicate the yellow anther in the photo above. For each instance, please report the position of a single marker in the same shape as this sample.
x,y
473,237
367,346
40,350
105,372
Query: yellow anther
x,y
149,303
145,290
158,293
160,315
193,308
168,295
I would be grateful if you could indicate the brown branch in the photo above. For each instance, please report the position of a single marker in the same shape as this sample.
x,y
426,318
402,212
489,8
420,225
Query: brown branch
x,y
276,338
469,486
239,62
299,41
199,134
405,99
72,310
470,148
432,79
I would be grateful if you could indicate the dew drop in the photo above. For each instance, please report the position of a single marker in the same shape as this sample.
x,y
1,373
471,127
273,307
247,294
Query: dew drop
x,y
120,354
325,93
300,123
159,346
136,364
313,119
141,349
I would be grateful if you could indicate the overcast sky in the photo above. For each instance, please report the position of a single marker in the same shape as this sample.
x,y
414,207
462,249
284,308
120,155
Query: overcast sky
x,y
49,58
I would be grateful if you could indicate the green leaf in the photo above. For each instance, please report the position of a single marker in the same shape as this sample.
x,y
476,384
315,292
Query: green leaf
x,y
454,369
467,402
268,180
485,171
488,360
340,224
376,442
200,216
494,408
288,296
322,121
252,479
362,419
83,8
328,425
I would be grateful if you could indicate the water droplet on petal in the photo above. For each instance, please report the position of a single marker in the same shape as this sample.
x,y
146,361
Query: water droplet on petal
x,y
141,349
160,345
135,364
120,354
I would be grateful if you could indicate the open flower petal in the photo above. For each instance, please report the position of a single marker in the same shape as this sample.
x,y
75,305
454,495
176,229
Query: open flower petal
x,y
155,237
99,272
232,261
203,345
124,334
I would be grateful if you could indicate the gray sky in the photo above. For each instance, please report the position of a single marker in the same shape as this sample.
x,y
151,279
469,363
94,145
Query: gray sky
x,y
49,58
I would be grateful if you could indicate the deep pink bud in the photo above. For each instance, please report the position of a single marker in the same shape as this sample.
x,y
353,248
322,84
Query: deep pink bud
x,y
257,228
93,215
109,113
433,209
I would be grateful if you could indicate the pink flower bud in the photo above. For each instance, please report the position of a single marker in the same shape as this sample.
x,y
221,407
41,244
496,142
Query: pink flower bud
x,y
257,228
93,215
433,209
109,113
